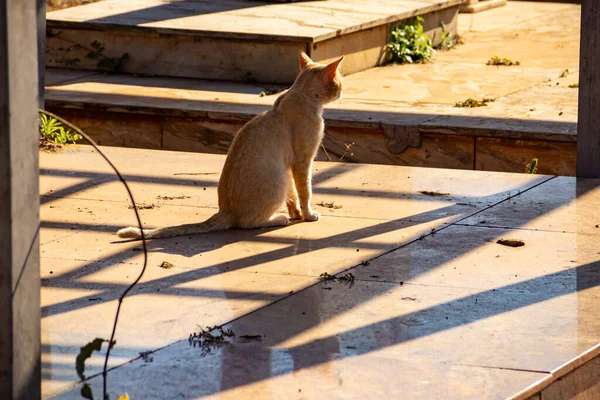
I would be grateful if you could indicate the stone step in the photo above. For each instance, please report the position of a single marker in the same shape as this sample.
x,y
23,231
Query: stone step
x,y
235,40
203,116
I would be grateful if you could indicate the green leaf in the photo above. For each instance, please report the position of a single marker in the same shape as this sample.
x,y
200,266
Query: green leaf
x,y
86,352
86,392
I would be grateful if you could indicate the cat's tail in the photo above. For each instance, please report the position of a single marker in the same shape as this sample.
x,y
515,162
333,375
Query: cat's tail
x,y
217,222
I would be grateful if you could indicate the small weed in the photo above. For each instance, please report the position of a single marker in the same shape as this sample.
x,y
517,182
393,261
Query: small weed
x,y
502,61
145,355
53,131
330,205
326,277
564,73
449,39
345,279
574,86
409,44
85,352
532,167
210,338
472,103
347,152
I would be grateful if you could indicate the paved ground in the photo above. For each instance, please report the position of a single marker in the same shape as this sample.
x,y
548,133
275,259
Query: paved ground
x,y
534,113
543,37
438,309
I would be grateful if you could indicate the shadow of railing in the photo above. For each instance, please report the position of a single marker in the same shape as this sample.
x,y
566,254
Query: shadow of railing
x,y
588,275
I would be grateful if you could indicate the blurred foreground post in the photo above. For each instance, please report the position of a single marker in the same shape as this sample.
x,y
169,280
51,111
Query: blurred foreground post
x,y
20,376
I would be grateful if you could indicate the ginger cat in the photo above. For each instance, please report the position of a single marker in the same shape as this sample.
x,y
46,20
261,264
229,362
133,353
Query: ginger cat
x,y
270,160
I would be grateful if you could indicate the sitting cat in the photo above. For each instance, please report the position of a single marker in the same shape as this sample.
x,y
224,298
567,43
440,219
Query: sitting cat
x,y
270,160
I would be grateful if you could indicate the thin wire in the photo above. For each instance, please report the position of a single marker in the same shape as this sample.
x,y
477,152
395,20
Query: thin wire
x,y
139,221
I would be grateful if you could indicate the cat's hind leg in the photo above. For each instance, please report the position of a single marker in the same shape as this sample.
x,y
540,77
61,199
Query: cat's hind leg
x,y
292,204
277,220
274,220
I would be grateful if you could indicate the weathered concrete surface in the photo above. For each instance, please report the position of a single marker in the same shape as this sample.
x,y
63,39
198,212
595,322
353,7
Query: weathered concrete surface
x,y
458,314
233,40
533,103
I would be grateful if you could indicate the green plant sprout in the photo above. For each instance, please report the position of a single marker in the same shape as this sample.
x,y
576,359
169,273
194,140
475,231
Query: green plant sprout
x,y
409,44
449,39
532,167
52,130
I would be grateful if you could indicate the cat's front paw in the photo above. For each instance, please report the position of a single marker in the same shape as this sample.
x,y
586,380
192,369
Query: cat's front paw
x,y
312,216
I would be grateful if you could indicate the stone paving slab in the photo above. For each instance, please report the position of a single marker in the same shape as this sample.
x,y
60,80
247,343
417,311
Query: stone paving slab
x,y
303,21
554,213
436,303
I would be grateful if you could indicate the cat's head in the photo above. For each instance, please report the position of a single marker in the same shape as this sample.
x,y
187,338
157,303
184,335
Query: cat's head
x,y
323,81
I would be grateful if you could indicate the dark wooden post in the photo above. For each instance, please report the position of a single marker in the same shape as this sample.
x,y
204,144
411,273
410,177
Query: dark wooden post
x,y
588,126
41,43
20,376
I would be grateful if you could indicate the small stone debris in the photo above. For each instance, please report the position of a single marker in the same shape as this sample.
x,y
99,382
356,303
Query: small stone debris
x,y
331,205
144,206
433,193
248,338
166,265
271,91
172,197
511,242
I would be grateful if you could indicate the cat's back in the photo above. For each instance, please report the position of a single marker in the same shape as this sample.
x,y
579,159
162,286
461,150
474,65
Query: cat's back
x,y
264,130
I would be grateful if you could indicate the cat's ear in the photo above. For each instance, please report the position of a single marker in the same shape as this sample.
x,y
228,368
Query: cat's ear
x,y
333,67
304,60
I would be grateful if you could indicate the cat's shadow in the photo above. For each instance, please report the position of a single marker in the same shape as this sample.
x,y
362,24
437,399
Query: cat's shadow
x,y
198,244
